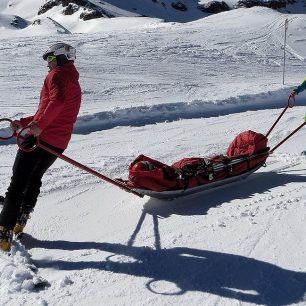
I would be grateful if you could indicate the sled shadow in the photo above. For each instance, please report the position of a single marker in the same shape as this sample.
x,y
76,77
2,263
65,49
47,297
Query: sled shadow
x,y
179,270
200,203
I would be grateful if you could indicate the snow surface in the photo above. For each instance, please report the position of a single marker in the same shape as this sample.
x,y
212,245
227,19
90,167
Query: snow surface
x,y
169,91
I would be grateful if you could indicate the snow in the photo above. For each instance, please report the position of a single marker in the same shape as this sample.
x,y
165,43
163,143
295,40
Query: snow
x,y
166,90
17,271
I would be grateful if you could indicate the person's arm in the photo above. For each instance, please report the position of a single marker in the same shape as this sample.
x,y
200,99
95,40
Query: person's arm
x,y
26,121
56,104
300,88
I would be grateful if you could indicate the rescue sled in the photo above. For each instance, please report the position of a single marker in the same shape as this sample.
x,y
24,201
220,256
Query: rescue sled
x,y
245,155
173,194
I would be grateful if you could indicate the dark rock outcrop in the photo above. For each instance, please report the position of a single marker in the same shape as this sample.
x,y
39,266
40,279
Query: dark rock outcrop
x,y
70,9
48,6
179,6
274,4
19,23
90,14
214,7
71,6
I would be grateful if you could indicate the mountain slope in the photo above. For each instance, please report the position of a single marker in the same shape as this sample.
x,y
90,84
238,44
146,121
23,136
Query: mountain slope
x,y
168,91
89,16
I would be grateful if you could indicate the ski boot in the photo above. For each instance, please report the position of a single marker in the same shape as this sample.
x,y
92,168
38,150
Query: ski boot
x,y
6,236
21,223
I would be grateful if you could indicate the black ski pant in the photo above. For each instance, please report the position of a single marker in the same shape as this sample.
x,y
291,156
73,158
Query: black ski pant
x,y
23,191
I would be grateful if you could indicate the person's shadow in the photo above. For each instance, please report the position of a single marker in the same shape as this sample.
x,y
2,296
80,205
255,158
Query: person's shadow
x,y
188,269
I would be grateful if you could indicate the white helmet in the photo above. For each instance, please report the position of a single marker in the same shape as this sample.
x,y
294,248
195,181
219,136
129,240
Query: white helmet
x,y
61,49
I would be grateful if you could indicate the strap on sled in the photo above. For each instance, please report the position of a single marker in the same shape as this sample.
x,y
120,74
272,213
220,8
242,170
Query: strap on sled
x,y
209,168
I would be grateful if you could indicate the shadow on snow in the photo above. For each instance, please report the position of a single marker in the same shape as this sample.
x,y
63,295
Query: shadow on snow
x,y
188,269
227,275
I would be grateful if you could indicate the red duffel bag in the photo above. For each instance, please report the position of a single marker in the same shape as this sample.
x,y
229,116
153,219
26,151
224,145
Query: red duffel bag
x,y
147,173
249,145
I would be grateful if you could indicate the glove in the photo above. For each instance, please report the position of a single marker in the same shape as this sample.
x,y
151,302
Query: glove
x,y
36,131
292,94
291,98
16,125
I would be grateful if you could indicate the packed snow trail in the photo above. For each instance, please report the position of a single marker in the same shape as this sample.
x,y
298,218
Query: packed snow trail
x,y
224,246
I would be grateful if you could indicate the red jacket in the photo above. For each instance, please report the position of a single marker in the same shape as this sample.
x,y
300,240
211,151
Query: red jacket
x,y
60,101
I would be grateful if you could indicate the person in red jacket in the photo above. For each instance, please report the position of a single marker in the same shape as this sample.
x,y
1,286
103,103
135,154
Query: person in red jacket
x,y
60,101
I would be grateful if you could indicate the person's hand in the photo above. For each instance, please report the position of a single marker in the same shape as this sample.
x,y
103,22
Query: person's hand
x,y
292,94
291,98
16,125
36,131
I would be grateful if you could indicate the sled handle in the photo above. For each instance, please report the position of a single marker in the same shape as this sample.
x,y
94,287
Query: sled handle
x,y
20,137
5,127
73,162
290,104
298,128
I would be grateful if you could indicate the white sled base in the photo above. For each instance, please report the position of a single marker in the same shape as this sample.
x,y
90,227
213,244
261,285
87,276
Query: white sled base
x,y
173,194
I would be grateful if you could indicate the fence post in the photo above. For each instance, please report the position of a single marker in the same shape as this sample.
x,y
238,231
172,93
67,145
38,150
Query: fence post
x,y
285,42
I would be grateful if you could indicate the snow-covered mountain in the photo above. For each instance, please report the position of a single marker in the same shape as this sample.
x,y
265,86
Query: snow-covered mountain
x,y
71,13
75,16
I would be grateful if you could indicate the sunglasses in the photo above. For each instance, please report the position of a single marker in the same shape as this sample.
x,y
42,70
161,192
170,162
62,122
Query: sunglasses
x,y
51,58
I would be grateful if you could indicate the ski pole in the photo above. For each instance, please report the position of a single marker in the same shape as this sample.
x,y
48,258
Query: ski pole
x,y
75,163
289,104
298,128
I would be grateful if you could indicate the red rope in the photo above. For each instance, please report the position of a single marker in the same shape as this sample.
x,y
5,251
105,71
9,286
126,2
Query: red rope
x,y
271,151
67,159
89,170
290,104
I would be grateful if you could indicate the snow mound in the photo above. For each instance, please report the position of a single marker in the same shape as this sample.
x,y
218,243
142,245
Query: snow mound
x,y
46,26
17,272
12,22
12,25
165,112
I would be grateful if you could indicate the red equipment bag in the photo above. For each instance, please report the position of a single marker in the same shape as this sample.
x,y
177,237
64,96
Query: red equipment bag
x,y
147,173
247,143
252,147
249,147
